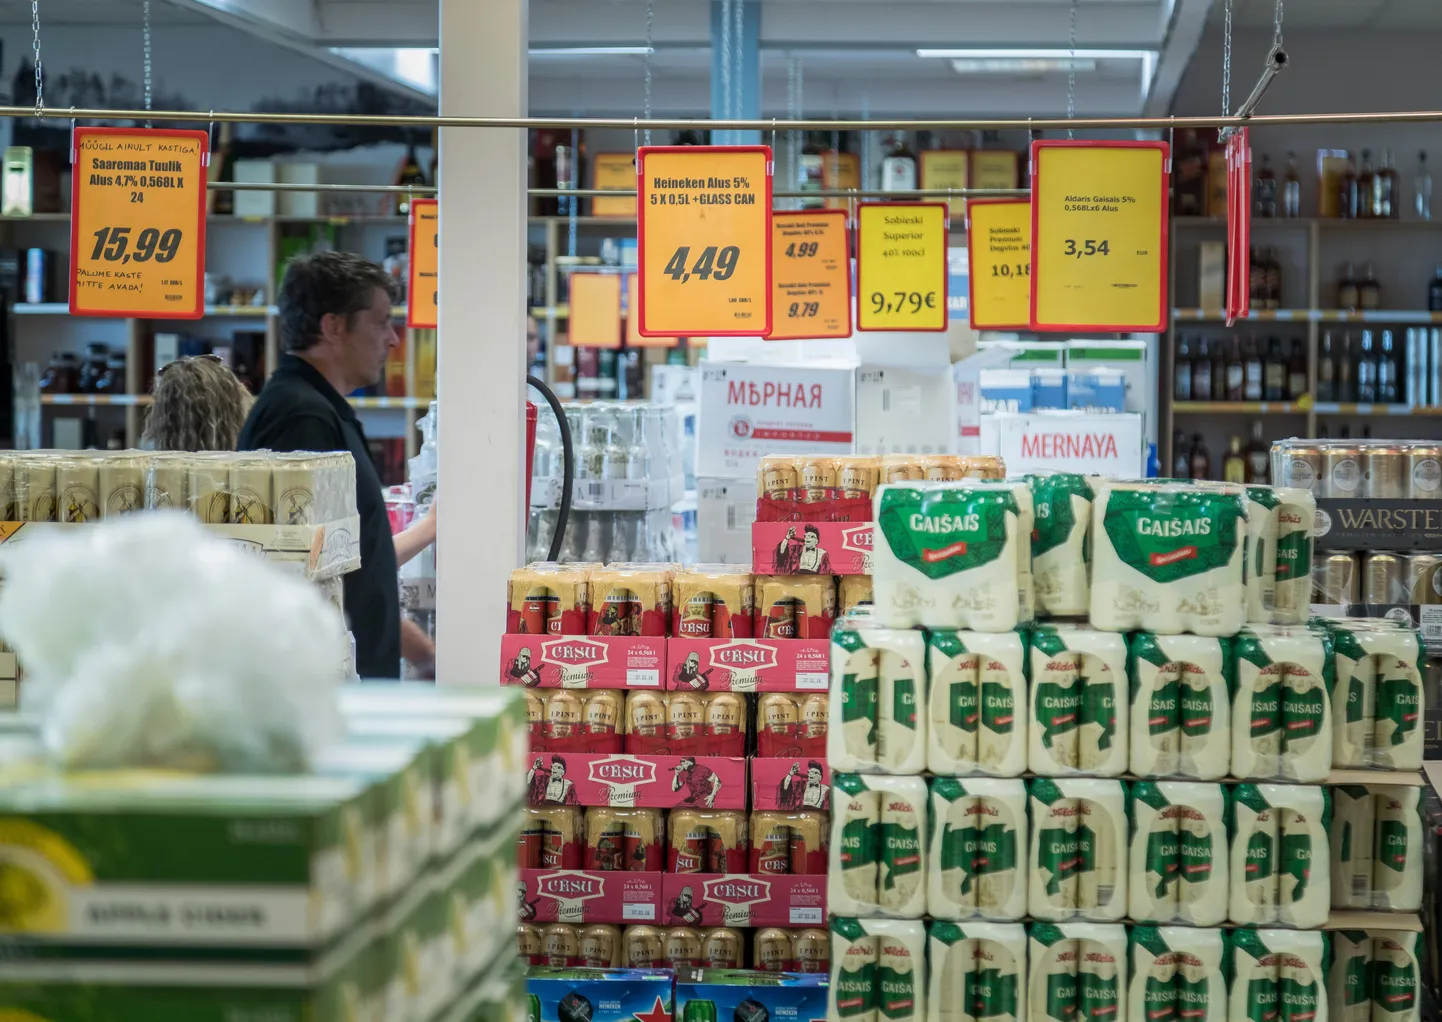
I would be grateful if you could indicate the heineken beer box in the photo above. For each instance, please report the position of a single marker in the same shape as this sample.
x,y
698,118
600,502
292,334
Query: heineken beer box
x,y
580,896
736,995
583,661
789,784
637,782
598,995
811,548
742,899
747,665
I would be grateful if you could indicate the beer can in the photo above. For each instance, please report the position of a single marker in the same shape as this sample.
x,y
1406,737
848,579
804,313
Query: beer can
x,y
1424,582
856,476
605,840
294,481
814,714
684,715
252,501
1298,464
617,605
686,850
818,479
725,714
35,488
771,950
777,477
683,947
1385,471
984,466
855,591
782,612
562,946
9,505
643,947
122,484
77,489
563,714
942,467
1384,579
694,611
167,484
535,711
726,843
535,601
602,712
644,832
900,468
779,712
1336,580
531,840
531,943
601,947
645,714
1342,472
209,489
563,838
1425,477
809,841
721,948
812,951
770,843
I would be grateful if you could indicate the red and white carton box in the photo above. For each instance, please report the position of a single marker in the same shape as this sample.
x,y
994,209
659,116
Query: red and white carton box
x,y
747,410
583,661
780,548
637,782
578,896
783,785
748,665
742,899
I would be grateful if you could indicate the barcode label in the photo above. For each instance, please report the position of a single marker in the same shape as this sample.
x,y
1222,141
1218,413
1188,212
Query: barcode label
x,y
1362,889
806,917
811,681
595,489
730,517
643,677
1431,623
638,912
1104,893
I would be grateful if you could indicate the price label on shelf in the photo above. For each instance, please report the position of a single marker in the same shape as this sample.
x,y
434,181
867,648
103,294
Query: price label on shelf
x,y
998,238
1099,236
613,172
595,310
704,240
423,290
901,276
811,275
137,230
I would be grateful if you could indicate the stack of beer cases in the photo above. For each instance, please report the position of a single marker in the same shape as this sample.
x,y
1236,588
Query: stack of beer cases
x,y
1028,803
677,785
379,885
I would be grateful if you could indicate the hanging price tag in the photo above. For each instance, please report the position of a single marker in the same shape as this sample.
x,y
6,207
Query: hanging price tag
x,y
613,172
423,288
704,240
1099,236
811,275
998,238
1239,225
901,266
946,168
137,230
595,310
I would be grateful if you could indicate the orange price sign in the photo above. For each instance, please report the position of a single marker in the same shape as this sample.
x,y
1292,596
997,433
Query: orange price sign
x,y
998,240
704,240
137,233
595,310
811,275
633,320
613,172
423,289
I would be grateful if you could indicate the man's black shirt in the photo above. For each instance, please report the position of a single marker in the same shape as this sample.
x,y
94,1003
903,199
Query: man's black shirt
x,y
298,410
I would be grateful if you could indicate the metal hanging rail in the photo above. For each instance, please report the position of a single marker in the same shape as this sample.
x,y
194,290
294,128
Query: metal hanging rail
x,y
594,193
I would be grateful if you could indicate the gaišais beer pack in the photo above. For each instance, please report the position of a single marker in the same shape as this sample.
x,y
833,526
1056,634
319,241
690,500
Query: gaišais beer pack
x,y
1375,976
1077,863
878,970
1377,837
1178,857
878,846
978,847
1078,722
949,555
1076,971
976,703
1278,975
1061,548
1168,558
1177,973
1281,713
1280,856
1279,539
1377,696
1180,719
977,972
878,679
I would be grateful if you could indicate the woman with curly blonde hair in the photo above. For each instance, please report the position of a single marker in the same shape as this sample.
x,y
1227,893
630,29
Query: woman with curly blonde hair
x,y
200,405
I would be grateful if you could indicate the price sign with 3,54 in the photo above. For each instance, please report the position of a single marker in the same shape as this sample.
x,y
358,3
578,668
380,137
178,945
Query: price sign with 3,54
x,y
901,266
137,227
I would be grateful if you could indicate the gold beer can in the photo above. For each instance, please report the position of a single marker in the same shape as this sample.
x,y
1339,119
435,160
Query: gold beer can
x,y
1384,579
1424,582
602,713
684,714
818,478
815,710
644,947
35,488
943,467
209,486
1342,471
683,947
530,941
725,714
1336,580
856,476
1425,471
1385,471
812,951
77,489
721,948
294,481
777,477
778,712
252,501
122,484
601,947
645,714
771,950
563,714
562,946
1299,465
984,466
901,468
167,484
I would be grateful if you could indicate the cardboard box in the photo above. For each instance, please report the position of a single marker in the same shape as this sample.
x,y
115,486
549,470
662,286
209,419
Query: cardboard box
x,y
643,782
577,896
749,665
903,409
747,994
966,384
1129,356
583,661
599,995
782,785
740,899
1102,445
725,510
747,411
848,547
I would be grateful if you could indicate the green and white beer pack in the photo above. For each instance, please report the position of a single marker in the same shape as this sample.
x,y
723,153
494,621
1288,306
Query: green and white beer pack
x,y
1377,699
1076,971
1168,558
1180,714
977,701
878,970
879,857
1179,855
1176,973
1078,719
1279,535
1377,839
1278,975
976,972
1077,863
1061,546
1280,858
878,680
952,555
1281,713
1376,976
978,847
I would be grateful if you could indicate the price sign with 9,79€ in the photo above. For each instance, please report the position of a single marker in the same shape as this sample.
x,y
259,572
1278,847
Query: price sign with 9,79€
x,y
137,227
901,273
1099,236
704,240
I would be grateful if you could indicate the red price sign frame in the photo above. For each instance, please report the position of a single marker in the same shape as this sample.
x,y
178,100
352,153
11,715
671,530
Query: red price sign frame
x,y
971,262
1239,225
414,320
778,216
944,289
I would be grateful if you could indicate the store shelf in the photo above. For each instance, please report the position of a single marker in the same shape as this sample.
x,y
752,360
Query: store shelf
x,y
389,402
1255,316
63,309
96,399
1349,408
1241,407
1311,315
1407,778
41,309
1341,919
249,311
1308,221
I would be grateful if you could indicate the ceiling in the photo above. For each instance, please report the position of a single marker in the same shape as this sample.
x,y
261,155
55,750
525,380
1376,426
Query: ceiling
x,y
1392,15
97,12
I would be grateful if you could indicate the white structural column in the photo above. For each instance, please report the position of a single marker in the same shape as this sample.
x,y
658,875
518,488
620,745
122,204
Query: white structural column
x,y
481,367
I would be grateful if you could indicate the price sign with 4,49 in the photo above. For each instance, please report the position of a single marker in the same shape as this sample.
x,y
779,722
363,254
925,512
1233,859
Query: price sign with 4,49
x,y
137,230
704,240
901,270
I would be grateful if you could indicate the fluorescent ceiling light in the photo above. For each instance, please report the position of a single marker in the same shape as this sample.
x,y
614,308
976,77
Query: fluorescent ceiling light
x,y
414,67
1035,54
591,51
998,65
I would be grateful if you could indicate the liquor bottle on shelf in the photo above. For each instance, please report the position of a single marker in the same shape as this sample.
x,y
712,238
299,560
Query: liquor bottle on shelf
x,y
1201,381
1347,297
1326,370
1272,279
1365,184
898,168
1182,373
1264,190
1366,371
1422,188
1347,191
1388,373
1386,190
1296,371
1369,291
1221,370
1181,457
1189,175
1252,389
1292,190
1235,382
1346,384
1199,460
1234,466
1274,372
1259,456
1256,279
1434,291
809,168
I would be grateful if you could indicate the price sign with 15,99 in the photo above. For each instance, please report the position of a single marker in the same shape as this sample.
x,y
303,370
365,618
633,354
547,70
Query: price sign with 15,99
x,y
901,272
423,286
704,240
998,240
1099,236
811,270
137,230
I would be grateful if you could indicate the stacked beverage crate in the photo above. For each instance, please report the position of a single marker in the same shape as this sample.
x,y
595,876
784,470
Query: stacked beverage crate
x,y
1029,805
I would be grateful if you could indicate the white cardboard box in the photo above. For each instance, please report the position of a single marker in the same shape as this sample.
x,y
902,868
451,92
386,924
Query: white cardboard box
x,y
1130,357
725,509
1103,445
747,411
903,409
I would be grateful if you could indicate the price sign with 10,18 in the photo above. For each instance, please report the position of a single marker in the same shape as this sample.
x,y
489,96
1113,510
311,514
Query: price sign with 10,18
x,y
704,240
998,239
901,269
137,227
811,270
423,286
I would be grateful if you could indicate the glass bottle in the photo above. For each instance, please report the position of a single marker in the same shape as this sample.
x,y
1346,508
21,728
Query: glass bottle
x,y
1391,187
1366,183
1369,291
1347,191
1366,371
1264,190
1326,371
809,169
1387,371
1292,189
1259,456
1346,372
62,373
1274,372
1182,373
1422,185
93,368
1200,459
1234,466
1221,370
1181,457
1434,291
1272,278
1201,382
1296,371
1189,175
1235,387
1252,384
1347,297
898,168
1256,280
112,380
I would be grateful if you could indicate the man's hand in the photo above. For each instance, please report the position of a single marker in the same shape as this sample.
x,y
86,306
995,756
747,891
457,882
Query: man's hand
x,y
420,535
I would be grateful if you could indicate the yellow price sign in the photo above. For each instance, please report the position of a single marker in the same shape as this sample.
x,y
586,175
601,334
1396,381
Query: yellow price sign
x,y
613,172
946,168
1099,230
595,310
423,288
998,241
704,240
137,230
901,266
811,275
633,320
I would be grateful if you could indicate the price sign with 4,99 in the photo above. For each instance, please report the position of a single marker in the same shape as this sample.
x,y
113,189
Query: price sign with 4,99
x,y
137,228
811,267
704,240
901,273
423,287
1099,236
